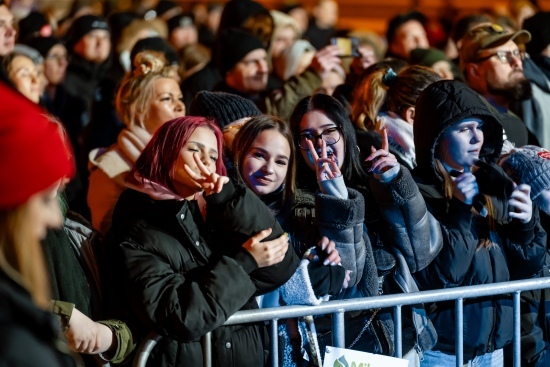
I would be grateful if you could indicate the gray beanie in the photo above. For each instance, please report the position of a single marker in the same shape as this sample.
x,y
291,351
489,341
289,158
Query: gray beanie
x,y
529,165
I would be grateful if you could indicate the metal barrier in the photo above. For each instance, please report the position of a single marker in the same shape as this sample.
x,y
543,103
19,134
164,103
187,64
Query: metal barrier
x,y
338,308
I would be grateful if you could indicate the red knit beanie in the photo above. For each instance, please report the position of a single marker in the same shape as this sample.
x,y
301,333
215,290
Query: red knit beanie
x,y
33,153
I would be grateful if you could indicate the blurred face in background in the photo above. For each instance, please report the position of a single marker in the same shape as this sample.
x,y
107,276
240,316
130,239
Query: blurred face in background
x,y
7,31
184,36
409,36
95,46
443,68
25,76
282,40
55,64
326,13
250,74
166,104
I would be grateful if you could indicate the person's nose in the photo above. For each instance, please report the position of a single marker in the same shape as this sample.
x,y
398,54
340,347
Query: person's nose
x,y
262,67
267,168
477,136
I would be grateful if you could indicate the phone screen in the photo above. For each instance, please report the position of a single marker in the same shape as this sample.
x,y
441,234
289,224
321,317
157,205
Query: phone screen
x,y
348,46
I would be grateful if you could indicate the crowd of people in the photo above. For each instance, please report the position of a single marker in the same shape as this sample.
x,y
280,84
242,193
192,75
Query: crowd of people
x,y
164,168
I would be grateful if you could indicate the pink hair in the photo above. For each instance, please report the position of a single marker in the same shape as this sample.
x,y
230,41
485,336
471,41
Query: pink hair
x,y
158,160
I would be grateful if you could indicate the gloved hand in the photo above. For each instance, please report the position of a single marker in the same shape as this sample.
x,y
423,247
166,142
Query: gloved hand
x,y
492,180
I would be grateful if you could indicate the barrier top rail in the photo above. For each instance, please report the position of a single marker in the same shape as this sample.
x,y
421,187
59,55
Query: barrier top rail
x,y
391,300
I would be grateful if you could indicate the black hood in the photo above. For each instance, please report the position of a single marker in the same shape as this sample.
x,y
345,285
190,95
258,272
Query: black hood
x,y
442,105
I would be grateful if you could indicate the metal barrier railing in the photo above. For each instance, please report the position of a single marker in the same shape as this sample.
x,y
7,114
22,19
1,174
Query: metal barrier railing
x,y
396,301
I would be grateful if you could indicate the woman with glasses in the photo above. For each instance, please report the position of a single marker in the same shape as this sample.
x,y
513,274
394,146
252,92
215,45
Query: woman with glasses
x,y
395,227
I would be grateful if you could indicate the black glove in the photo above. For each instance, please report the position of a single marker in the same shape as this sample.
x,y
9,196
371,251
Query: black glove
x,y
492,180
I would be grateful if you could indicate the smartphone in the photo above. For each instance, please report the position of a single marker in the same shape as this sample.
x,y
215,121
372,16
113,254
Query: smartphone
x,y
349,46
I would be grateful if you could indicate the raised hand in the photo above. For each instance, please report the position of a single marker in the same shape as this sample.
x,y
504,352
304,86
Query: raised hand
x,y
211,182
326,59
381,160
520,201
465,186
325,168
267,253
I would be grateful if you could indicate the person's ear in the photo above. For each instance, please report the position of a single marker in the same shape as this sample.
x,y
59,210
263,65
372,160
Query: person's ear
x,y
408,115
473,70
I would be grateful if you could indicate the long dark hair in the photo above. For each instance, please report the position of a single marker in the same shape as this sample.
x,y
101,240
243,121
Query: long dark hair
x,y
354,175
250,132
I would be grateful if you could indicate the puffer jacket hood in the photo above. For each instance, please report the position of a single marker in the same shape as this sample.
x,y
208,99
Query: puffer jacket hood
x,y
444,104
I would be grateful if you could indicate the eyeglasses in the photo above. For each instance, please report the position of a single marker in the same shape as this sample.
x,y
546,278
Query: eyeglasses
x,y
331,136
505,56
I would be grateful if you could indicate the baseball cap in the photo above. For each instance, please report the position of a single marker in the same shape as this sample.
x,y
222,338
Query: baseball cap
x,y
486,36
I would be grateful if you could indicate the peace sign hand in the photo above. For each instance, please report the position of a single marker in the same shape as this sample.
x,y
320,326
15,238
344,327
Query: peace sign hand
x,y
211,182
381,160
326,168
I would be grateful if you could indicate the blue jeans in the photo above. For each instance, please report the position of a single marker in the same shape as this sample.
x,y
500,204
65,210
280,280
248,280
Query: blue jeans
x,y
439,359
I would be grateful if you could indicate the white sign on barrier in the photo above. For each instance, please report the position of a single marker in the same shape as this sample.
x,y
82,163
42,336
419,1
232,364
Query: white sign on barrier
x,y
341,357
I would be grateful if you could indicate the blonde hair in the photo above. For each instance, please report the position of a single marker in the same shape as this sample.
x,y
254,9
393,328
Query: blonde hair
x,y
376,93
484,241
21,254
136,90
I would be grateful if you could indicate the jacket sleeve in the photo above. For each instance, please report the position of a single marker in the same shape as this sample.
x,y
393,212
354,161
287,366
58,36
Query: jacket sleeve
x,y
342,222
451,265
181,305
238,214
281,103
525,246
410,227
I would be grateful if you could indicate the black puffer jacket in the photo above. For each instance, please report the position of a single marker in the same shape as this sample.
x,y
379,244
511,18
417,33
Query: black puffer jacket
x,y
487,321
177,285
29,335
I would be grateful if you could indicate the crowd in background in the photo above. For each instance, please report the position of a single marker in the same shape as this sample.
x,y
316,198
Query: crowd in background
x,y
167,165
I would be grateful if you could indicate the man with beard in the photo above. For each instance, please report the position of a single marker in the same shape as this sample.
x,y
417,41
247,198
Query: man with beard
x,y
492,64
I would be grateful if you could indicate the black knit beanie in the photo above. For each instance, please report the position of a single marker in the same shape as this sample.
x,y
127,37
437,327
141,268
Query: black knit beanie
x,y
83,25
224,108
34,24
235,45
539,27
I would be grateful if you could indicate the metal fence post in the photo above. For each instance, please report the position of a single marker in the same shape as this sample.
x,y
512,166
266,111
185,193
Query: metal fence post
x,y
339,335
397,332
517,330
273,326
207,349
459,347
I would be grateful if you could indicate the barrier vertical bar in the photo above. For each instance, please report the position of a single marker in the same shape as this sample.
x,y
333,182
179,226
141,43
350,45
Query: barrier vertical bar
x,y
274,350
459,346
207,349
339,338
398,337
517,330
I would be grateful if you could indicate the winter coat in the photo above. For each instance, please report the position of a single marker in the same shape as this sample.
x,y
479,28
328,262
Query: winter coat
x,y
74,257
29,335
462,261
342,220
176,282
413,236
281,102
